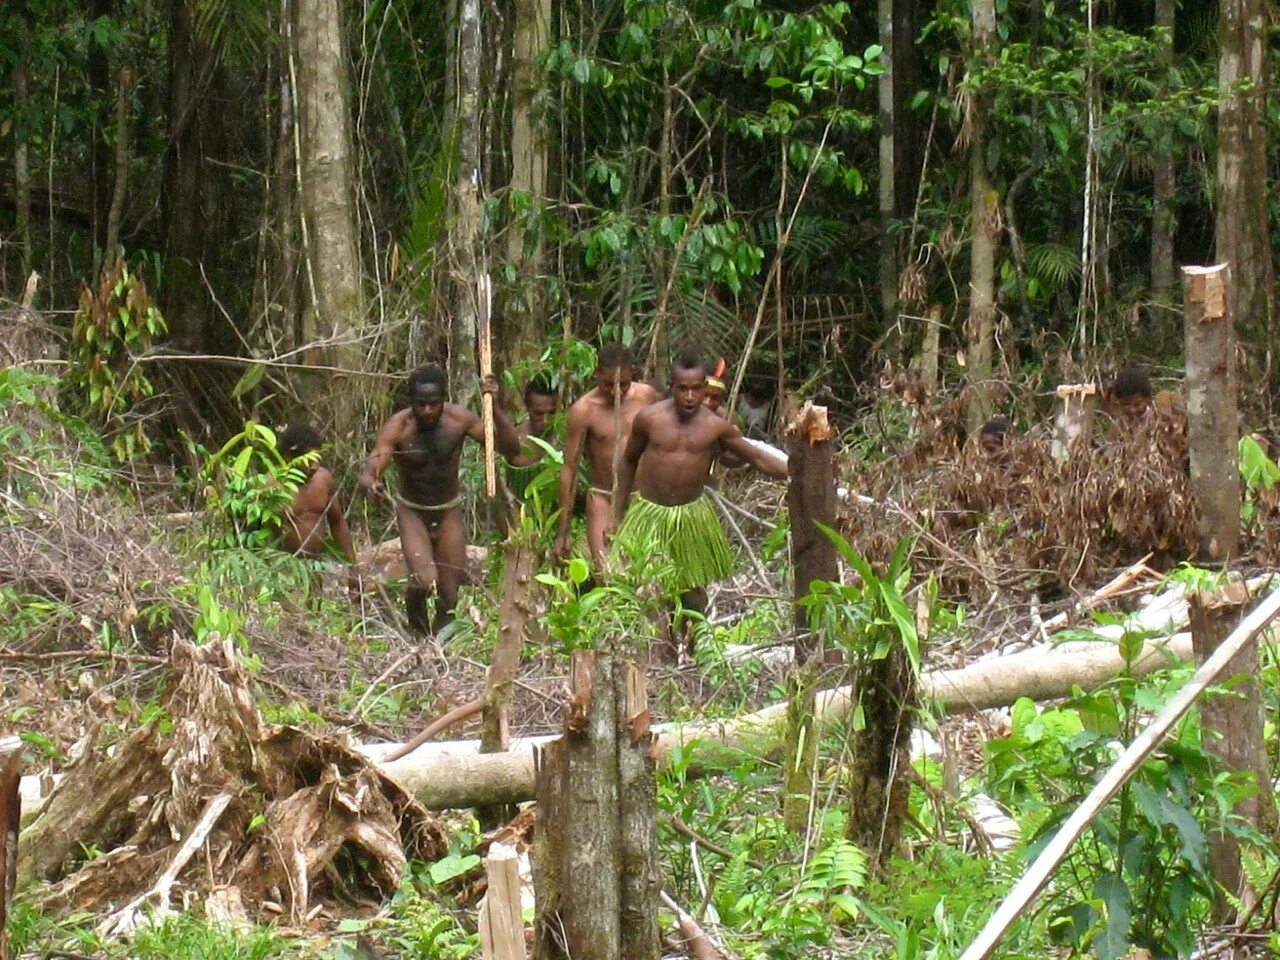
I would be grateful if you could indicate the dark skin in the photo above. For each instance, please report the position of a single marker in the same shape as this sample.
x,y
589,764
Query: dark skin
x,y
671,448
424,442
538,425
315,511
598,421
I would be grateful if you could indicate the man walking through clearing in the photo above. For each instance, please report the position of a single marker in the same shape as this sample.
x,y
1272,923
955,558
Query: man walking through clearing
x,y
667,461
424,441
600,422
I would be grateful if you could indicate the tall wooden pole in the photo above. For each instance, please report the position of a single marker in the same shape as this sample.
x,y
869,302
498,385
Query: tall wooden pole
x,y
10,814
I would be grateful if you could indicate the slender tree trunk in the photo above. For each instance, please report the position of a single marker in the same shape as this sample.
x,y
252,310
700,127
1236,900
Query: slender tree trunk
x,y
101,155
336,310
124,94
984,214
466,233
10,817
522,322
1242,237
1164,218
1212,417
1232,729
21,139
182,186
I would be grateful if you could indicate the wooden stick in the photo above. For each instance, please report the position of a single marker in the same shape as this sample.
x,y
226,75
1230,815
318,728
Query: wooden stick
x,y
485,299
456,715
1025,891
501,922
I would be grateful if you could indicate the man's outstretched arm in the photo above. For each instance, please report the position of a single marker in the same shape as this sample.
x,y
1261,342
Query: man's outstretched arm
x,y
505,439
770,464
379,458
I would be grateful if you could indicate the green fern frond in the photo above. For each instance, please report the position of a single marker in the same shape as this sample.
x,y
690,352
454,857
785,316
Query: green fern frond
x,y
1054,264
238,28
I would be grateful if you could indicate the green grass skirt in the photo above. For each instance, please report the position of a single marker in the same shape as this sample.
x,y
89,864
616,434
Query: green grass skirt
x,y
687,539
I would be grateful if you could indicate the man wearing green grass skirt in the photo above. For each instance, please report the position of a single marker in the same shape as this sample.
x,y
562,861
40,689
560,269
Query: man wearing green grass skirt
x,y
667,462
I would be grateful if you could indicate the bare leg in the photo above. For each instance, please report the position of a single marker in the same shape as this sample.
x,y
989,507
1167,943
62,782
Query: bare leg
x,y
415,540
598,510
450,540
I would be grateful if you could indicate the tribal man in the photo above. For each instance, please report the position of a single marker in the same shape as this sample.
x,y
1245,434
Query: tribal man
x,y
667,461
424,441
599,422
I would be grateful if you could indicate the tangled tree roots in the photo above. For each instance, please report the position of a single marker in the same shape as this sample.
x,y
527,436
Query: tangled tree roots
x,y
287,818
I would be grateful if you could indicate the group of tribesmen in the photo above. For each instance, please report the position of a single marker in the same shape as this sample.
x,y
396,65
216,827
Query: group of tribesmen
x,y
648,460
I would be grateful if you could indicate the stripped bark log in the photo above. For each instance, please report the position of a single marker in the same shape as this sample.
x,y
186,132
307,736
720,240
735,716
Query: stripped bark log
x,y
450,775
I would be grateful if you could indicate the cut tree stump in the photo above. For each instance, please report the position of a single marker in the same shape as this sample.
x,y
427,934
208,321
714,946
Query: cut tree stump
x,y
1212,416
595,858
1232,730
10,815
811,500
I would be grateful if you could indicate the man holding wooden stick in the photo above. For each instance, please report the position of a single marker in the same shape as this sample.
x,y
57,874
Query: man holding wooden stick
x,y
424,441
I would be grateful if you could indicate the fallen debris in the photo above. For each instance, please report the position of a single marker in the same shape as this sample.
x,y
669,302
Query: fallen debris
x,y
275,811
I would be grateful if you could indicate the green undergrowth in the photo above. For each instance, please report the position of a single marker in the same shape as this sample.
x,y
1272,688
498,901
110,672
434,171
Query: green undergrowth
x,y
1138,879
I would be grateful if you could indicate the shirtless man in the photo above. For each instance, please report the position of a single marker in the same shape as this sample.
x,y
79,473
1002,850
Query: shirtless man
x,y
424,441
600,420
316,508
540,402
667,461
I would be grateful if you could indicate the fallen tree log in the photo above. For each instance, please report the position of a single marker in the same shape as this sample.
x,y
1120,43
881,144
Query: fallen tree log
x,y
454,774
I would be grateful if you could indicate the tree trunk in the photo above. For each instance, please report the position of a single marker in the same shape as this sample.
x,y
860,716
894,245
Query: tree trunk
x,y
101,155
182,193
1212,419
21,140
811,500
595,859
517,581
1232,728
10,816
1164,217
888,168
879,781
336,310
124,94
521,329
984,226
463,244
1242,237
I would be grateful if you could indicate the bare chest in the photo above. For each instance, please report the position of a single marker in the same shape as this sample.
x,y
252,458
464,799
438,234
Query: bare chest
x,y
424,449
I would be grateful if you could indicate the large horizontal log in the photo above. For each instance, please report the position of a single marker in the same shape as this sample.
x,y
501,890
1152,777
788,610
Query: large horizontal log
x,y
454,774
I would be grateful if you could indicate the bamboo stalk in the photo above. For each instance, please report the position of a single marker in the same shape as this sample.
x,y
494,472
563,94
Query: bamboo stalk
x,y
1026,889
